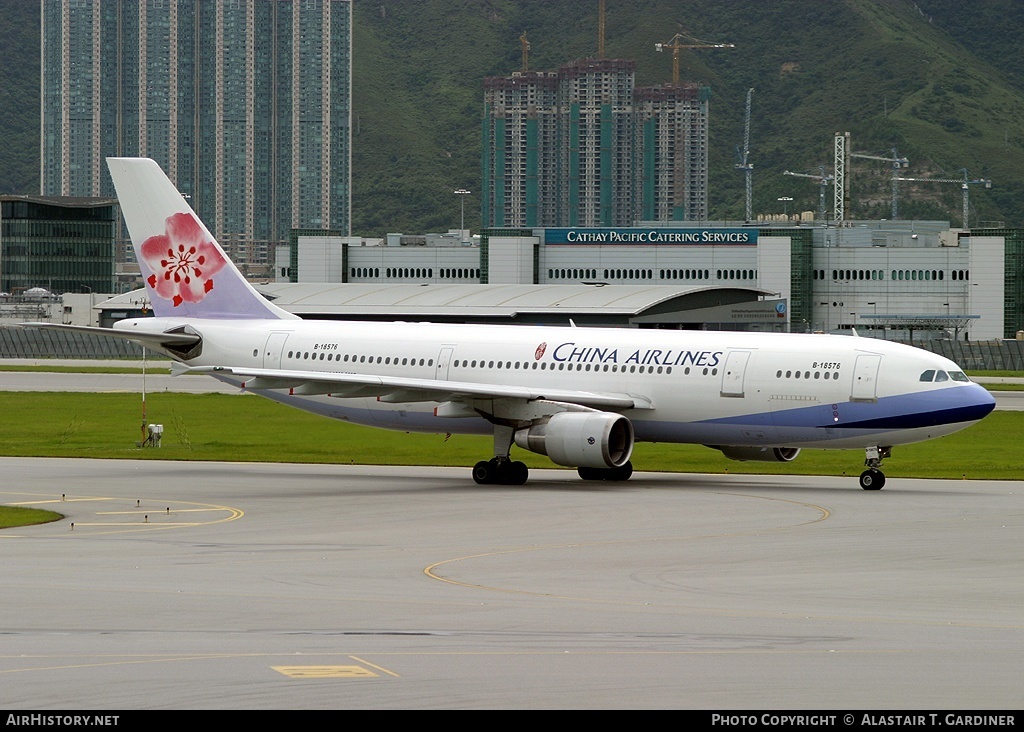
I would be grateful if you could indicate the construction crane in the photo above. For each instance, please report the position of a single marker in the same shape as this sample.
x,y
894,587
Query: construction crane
x,y
526,51
840,197
965,185
600,29
824,181
744,163
680,41
897,162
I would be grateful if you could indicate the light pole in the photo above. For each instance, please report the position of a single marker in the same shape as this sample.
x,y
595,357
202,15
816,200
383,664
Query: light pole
x,y
785,205
462,193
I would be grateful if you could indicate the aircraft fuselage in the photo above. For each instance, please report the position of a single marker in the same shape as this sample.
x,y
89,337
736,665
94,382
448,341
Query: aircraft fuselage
x,y
716,388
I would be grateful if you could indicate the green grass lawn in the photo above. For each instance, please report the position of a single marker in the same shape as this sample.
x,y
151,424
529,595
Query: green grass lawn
x,y
250,428
11,516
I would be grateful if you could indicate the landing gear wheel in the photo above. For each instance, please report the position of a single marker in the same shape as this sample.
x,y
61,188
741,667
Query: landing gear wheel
x,y
501,472
482,472
623,472
514,473
620,473
872,480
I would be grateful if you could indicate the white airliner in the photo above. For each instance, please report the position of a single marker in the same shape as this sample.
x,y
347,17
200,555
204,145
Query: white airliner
x,y
581,396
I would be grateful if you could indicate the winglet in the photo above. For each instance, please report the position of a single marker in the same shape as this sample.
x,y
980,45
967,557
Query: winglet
x,y
185,270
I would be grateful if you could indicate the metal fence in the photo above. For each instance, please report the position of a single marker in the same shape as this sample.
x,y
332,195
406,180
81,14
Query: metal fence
x,y
61,344
1001,355
980,355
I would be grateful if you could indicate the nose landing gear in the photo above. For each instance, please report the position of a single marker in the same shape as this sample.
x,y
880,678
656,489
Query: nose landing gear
x,y
873,478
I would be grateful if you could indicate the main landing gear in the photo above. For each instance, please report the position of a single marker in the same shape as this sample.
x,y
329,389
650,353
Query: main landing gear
x,y
873,478
501,469
513,472
620,473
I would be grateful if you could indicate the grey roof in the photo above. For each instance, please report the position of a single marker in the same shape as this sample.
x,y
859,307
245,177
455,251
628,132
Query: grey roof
x,y
491,300
68,201
591,304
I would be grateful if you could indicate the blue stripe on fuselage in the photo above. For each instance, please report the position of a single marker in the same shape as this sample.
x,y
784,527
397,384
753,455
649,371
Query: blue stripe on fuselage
x,y
950,405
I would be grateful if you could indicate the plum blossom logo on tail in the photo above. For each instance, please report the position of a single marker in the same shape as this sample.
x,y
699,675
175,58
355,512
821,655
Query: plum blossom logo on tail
x,y
183,260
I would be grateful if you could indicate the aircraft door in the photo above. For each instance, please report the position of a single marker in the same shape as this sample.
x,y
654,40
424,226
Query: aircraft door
x,y
273,349
865,378
734,372
444,360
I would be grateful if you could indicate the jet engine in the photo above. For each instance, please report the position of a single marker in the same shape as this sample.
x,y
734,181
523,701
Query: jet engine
x,y
759,454
581,439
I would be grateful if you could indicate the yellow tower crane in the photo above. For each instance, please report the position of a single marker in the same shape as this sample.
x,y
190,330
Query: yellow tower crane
x,y
680,41
526,51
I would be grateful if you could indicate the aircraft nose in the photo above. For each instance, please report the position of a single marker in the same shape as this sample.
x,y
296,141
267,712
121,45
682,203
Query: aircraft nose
x,y
981,402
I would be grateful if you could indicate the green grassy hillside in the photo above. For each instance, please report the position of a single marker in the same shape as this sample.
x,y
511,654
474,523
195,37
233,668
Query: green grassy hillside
x,y
941,81
887,72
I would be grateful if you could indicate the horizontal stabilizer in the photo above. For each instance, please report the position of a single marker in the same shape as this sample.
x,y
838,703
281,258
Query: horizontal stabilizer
x,y
175,339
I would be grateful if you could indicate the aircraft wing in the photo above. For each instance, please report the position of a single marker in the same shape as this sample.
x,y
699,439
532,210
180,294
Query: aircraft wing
x,y
404,389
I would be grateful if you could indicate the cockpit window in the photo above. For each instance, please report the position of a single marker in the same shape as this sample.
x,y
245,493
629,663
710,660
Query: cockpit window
x,y
958,376
928,375
941,376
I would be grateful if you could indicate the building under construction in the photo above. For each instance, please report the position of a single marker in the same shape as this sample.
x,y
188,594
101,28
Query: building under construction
x,y
672,140
521,171
584,147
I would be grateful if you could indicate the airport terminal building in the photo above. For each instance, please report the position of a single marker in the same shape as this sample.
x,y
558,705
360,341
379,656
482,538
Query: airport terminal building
x,y
923,282
906,280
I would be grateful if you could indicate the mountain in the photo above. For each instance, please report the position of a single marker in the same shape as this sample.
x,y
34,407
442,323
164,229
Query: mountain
x,y
939,81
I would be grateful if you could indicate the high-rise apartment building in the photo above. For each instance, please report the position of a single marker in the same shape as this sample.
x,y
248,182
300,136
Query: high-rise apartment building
x,y
246,104
672,140
583,147
596,99
521,164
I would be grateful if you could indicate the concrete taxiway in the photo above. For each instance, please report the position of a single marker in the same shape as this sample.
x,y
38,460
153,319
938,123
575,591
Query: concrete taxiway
x,y
157,379
251,586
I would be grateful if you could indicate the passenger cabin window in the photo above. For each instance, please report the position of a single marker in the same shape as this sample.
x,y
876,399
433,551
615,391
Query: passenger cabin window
x,y
928,375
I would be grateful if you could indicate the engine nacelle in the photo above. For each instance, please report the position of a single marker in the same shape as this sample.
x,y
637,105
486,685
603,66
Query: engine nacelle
x,y
581,439
759,454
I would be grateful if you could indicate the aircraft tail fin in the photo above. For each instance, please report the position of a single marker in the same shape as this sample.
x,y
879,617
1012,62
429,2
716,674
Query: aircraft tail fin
x,y
185,270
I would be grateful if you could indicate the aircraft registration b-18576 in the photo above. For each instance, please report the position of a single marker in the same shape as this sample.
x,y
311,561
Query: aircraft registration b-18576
x,y
581,396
